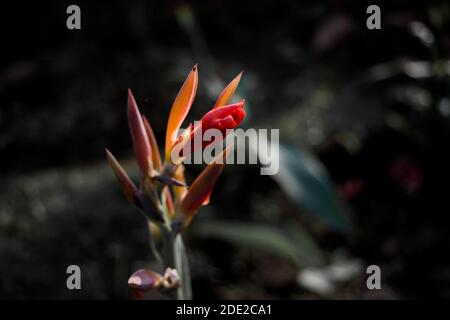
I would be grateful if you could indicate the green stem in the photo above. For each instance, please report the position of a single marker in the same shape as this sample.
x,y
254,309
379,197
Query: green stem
x,y
167,249
184,292
175,257
174,254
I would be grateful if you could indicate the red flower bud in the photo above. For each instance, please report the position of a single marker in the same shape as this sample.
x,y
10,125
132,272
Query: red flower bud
x,y
226,117
220,118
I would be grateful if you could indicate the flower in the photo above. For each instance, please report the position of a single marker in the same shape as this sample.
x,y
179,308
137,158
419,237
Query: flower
x,y
163,195
221,117
175,196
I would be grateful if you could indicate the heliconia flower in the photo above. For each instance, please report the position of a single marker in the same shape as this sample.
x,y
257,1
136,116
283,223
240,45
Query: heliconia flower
x,y
163,195
180,108
163,187
141,142
128,186
199,192
228,92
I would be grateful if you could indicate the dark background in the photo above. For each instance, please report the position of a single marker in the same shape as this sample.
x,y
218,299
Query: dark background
x,y
372,106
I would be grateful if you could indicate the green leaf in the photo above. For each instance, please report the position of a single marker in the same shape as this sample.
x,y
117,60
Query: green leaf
x,y
304,179
293,243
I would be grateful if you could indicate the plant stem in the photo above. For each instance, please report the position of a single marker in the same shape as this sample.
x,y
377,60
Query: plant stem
x,y
175,257
174,253
184,292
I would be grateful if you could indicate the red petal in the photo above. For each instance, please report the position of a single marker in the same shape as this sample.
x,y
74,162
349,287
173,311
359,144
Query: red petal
x,y
213,117
141,143
199,192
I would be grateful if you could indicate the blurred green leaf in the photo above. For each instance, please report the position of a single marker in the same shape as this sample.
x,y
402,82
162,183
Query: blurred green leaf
x,y
309,253
304,179
293,243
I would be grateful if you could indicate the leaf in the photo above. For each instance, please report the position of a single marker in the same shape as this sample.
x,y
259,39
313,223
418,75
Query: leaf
x,y
295,244
180,108
309,253
304,179
228,92
182,266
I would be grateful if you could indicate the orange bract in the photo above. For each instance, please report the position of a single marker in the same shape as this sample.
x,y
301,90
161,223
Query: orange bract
x,y
228,92
199,192
180,108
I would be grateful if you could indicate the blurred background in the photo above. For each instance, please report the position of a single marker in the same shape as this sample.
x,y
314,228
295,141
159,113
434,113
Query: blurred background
x,y
364,119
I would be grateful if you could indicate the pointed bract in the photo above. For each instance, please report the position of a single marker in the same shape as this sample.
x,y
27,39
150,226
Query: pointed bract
x,y
180,108
156,157
199,192
128,186
228,92
169,201
141,142
167,180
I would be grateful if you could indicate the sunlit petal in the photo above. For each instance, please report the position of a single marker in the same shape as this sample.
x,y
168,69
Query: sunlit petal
x,y
228,92
180,108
